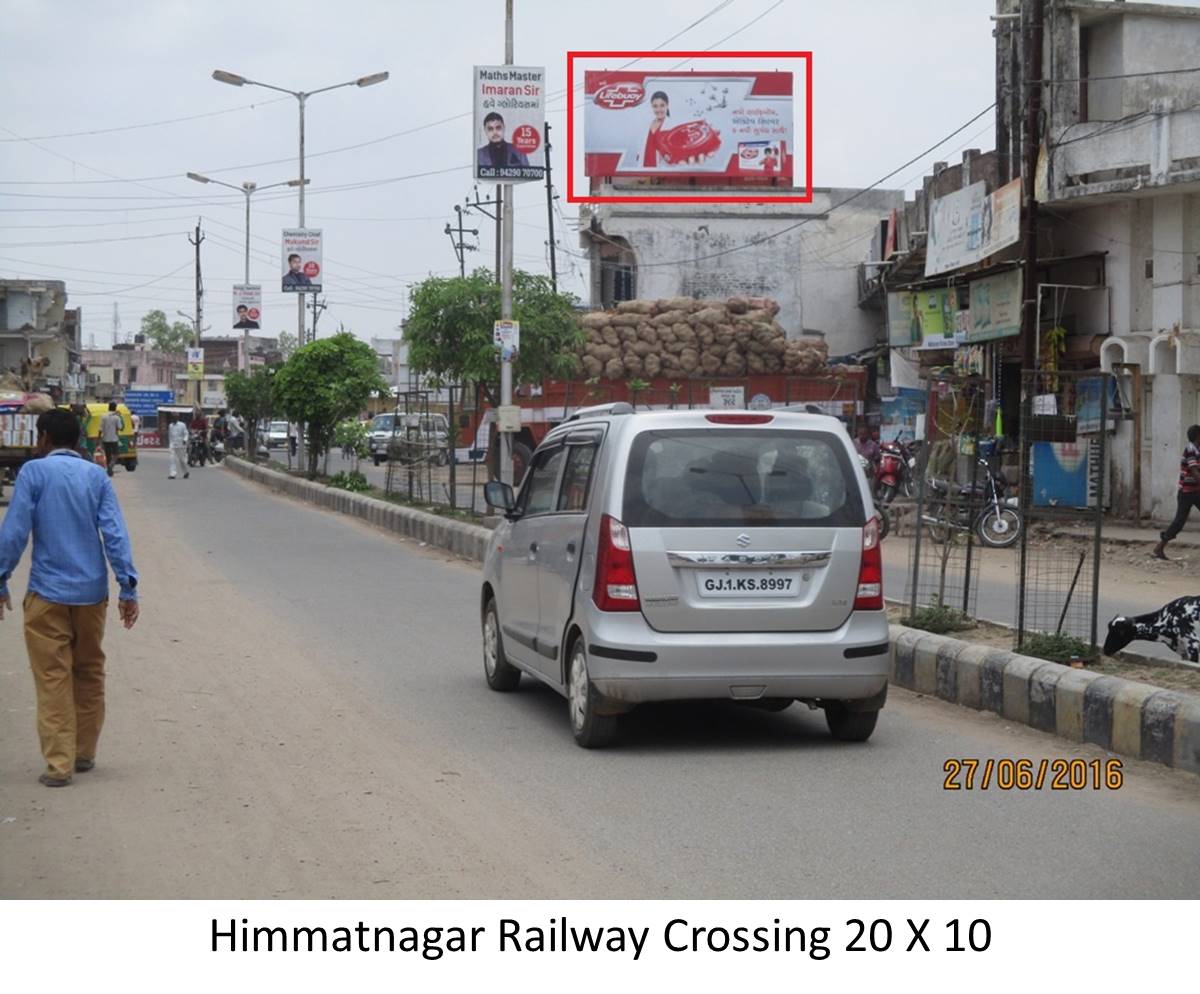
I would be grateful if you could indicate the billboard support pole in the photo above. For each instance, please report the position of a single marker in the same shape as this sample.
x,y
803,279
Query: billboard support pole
x,y
550,209
506,277
199,305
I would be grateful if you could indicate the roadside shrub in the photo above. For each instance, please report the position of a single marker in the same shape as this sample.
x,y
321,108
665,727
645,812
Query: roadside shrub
x,y
1057,648
353,481
938,619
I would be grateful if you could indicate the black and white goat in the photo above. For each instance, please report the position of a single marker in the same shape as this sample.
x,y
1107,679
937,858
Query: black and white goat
x,y
1176,625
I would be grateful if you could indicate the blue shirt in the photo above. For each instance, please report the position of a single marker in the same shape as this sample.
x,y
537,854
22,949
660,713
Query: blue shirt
x,y
69,504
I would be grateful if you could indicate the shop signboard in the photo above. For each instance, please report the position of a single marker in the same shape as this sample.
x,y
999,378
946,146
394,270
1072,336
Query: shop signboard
x,y
995,307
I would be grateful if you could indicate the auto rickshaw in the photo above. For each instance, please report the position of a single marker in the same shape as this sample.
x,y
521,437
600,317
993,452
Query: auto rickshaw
x,y
127,453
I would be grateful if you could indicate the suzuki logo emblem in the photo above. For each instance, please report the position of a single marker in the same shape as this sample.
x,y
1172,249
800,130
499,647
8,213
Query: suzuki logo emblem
x,y
743,540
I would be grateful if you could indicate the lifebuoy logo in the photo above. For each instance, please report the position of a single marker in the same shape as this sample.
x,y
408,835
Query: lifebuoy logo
x,y
618,96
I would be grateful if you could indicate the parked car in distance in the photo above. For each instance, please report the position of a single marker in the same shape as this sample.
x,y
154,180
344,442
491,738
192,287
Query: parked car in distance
x,y
409,436
683,555
277,435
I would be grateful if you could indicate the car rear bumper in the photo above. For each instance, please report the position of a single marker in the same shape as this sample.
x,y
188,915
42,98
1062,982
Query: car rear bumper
x,y
630,662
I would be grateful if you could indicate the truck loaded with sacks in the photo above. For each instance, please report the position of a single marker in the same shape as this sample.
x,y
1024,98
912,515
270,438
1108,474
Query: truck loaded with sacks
x,y
681,353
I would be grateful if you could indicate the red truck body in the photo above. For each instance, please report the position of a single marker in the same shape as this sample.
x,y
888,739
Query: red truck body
x,y
841,393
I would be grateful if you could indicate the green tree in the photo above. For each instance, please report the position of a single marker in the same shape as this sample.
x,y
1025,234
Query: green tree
x,y
163,335
286,343
324,383
449,330
251,396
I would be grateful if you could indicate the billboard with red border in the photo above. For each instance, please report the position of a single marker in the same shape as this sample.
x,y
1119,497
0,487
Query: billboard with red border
x,y
706,130
735,125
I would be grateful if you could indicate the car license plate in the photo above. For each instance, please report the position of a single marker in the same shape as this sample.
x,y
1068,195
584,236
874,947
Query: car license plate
x,y
748,583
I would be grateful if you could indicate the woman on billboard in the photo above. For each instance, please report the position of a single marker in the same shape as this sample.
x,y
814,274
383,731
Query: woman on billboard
x,y
661,106
671,146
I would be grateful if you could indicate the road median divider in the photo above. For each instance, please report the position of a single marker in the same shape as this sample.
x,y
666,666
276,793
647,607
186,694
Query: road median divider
x,y
1122,716
459,537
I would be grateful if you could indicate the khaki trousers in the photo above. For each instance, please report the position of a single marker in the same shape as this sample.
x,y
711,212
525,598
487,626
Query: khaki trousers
x,y
65,654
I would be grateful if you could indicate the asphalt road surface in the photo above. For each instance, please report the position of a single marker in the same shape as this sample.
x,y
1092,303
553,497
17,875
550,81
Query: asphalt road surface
x,y
301,713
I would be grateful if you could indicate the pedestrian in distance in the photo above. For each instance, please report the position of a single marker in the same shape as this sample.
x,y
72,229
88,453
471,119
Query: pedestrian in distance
x,y
177,442
110,435
69,506
1189,491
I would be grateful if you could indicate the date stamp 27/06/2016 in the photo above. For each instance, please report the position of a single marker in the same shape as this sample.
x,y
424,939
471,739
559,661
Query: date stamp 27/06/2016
x,y
1029,774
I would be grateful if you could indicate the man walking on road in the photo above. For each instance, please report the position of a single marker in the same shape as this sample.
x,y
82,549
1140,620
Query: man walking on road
x,y
110,435
177,442
1189,490
69,505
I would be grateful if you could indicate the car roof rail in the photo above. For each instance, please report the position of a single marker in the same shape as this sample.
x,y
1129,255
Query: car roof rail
x,y
602,410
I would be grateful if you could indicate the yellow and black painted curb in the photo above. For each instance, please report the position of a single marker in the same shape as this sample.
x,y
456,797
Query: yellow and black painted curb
x,y
459,537
1123,716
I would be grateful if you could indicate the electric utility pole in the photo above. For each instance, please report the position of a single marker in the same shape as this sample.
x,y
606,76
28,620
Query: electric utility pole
x,y
481,206
550,210
199,303
461,247
317,308
1035,20
506,278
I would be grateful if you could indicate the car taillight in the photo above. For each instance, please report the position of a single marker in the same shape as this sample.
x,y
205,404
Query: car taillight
x,y
869,596
740,419
616,586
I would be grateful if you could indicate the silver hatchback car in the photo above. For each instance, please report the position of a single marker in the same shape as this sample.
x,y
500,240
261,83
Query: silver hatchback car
x,y
690,554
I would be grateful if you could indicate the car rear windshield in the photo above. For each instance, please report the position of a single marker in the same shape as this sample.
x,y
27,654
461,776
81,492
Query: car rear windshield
x,y
736,477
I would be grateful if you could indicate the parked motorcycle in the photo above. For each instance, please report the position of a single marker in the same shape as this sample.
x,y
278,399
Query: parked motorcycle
x,y
198,453
896,471
986,507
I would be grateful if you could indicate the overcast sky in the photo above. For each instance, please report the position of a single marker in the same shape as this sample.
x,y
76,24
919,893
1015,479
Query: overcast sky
x,y
890,79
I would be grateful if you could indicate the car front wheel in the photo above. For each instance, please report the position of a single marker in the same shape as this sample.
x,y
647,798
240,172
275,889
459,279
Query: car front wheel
x,y
591,730
501,674
849,726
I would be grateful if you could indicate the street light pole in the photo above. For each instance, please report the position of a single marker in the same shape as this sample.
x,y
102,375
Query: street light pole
x,y
247,189
233,79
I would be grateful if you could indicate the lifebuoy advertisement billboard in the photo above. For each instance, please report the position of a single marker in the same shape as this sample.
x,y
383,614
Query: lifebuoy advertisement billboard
x,y
510,112
247,307
728,125
302,268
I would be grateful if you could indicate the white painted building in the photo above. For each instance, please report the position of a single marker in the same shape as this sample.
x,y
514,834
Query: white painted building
x,y
805,256
1120,174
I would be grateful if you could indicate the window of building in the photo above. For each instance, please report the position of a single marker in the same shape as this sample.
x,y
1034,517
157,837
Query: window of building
x,y
116,377
1149,269
133,373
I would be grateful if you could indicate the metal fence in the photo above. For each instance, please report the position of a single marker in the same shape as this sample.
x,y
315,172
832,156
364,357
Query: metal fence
x,y
953,497
1064,457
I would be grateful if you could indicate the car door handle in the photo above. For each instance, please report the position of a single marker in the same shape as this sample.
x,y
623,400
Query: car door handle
x,y
570,548
533,548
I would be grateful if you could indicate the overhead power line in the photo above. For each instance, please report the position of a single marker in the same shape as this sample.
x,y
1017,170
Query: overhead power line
x,y
148,124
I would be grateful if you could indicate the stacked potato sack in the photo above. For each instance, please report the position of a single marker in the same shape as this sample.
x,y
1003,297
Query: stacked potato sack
x,y
682,337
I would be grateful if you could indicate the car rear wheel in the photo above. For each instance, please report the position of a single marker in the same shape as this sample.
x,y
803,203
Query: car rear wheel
x,y
501,674
130,465
591,730
849,726
377,459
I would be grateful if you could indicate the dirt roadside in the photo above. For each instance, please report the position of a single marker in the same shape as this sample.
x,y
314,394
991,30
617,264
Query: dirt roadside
x,y
227,771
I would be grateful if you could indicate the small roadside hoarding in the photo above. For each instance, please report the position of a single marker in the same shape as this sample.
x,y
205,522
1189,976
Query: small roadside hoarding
x,y
729,398
195,364
247,306
302,263
507,335
510,112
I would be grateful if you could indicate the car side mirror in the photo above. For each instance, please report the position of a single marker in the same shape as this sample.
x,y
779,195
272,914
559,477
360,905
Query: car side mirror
x,y
500,495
